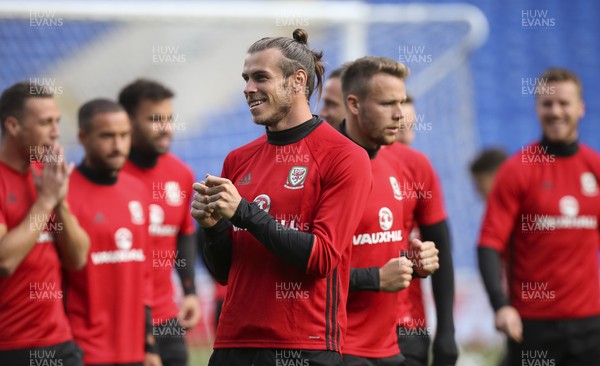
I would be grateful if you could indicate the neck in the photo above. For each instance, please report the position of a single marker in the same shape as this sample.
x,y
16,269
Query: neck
x,y
142,159
10,155
345,130
354,133
562,148
98,176
299,113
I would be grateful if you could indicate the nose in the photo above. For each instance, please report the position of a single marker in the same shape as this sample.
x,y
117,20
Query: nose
x,y
398,113
250,87
55,131
554,108
121,144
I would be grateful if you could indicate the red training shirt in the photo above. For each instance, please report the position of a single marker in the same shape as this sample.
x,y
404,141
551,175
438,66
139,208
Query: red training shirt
x,y
549,206
31,299
105,300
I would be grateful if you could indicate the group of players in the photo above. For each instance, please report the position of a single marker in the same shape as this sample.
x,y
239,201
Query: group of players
x,y
320,231
87,252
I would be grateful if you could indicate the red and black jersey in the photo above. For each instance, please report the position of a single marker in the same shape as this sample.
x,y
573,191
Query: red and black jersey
x,y
423,205
372,319
542,214
106,300
31,299
312,181
170,183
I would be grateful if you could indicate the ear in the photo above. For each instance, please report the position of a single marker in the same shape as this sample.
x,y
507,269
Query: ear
x,y
12,125
581,109
352,104
82,136
299,80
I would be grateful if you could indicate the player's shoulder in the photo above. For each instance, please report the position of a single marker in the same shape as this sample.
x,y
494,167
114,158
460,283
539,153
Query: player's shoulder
x,y
589,151
411,159
174,162
246,151
329,143
513,168
407,153
129,181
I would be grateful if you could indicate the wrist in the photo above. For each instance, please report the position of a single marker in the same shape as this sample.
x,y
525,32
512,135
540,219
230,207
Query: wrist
x,y
45,203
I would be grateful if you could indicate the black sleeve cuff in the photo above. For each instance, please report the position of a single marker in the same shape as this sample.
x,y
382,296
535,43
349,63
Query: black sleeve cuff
x,y
291,245
216,247
186,263
442,281
364,279
490,267
149,343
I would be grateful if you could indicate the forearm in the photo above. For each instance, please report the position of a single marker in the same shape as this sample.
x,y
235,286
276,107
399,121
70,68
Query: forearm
x,y
490,267
216,249
291,245
72,241
364,279
149,341
18,242
442,280
186,261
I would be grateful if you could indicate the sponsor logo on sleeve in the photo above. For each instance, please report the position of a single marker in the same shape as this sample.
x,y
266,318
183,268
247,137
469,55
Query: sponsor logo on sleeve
x,y
263,202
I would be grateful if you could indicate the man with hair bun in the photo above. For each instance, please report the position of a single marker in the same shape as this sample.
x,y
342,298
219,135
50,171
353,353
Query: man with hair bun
x,y
279,221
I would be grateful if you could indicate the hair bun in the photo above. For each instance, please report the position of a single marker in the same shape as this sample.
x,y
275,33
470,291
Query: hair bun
x,y
300,36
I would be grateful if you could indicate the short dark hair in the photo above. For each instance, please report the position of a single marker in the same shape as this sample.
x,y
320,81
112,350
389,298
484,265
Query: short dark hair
x,y
89,110
12,101
555,74
357,76
134,93
488,161
296,56
337,72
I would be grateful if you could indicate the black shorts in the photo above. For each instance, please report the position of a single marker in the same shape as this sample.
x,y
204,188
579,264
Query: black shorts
x,y
350,360
273,357
414,346
170,343
565,342
63,354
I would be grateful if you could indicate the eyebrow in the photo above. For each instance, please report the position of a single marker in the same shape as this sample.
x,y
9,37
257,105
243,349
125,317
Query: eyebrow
x,y
255,73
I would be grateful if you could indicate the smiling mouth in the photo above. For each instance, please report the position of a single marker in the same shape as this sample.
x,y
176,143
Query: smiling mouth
x,y
255,103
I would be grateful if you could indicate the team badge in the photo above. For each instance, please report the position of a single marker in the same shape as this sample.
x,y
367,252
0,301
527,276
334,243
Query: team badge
x,y
137,213
568,206
263,202
123,238
296,177
589,185
173,193
386,219
396,188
